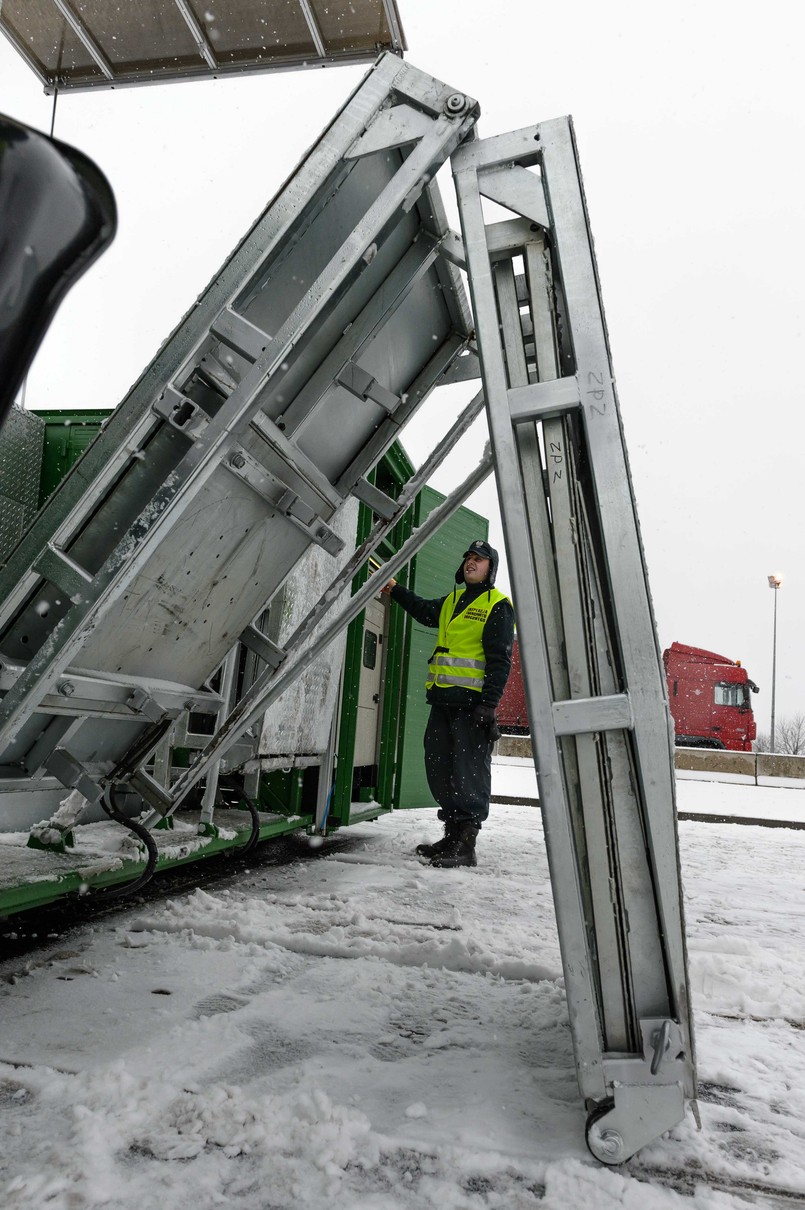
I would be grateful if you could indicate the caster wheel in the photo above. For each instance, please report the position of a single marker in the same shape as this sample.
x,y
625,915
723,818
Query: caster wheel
x,y
604,1142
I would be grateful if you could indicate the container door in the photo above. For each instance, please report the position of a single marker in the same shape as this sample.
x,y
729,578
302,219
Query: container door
x,y
370,686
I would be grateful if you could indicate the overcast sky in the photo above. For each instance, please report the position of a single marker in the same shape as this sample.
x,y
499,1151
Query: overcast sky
x,y
690,127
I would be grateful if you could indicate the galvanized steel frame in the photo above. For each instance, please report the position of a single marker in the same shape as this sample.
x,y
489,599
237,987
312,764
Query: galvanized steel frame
x,y
594,685
394,105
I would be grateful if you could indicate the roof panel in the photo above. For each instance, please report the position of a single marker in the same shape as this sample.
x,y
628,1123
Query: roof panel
x,y
39,29
255,29
351,24
74,44
151,31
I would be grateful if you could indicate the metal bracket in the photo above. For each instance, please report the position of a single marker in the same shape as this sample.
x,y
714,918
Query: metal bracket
x,y
71,773
294,506
181,413
517,189
263,648
80,693
393,127
151,792
581,716
294,458
451,247
663,1061
142,703
640,1114
295,509
244,337
361,384
57,732
284,499
58,568
544,400
381,504
465,368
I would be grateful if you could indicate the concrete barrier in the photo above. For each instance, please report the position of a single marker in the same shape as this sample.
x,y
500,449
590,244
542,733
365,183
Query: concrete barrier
x,y
751,768
776,764
514,745
717,764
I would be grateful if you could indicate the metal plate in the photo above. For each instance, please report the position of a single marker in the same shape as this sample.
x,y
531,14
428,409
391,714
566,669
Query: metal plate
x,y
21,441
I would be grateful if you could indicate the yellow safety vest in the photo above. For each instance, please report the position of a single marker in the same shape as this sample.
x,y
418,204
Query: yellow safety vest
x,y
459,655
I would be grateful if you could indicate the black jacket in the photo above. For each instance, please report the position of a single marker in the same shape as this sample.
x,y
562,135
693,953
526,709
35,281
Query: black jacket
x,y
497,637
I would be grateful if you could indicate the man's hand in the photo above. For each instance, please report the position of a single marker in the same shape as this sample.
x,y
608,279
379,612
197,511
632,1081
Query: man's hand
x,y
486,717
388,586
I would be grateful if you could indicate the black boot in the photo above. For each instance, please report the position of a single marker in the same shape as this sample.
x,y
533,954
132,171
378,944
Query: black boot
x,y
460,847
431,850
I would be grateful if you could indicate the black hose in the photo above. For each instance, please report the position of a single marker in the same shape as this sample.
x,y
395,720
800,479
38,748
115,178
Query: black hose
x,y
139,830
254,835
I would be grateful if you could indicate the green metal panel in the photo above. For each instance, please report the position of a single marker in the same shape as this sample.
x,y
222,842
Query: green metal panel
x,y
67,435
401,781
393,472
341,800
431,575
281,791
394,714
339,812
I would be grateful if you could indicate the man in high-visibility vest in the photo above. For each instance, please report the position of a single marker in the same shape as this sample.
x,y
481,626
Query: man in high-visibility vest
x,y
466,677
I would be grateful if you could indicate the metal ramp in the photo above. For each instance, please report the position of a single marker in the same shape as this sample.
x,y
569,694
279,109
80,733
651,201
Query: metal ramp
x,y
260,416
600,727
239,446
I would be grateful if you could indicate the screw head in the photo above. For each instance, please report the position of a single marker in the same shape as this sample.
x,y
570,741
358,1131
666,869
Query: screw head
x,y
67,689
456,103
238,461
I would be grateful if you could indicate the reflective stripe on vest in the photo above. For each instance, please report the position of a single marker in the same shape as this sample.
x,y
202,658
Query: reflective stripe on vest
x,y
459,655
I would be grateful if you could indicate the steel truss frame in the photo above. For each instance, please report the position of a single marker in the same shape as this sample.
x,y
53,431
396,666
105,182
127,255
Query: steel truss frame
x,y
596,702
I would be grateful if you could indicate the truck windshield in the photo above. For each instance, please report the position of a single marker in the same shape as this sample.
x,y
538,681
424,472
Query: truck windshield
x,y
727,694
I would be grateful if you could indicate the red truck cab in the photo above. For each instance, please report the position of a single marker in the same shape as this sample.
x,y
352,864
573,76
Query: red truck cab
x,y
710,699
709,695
512,711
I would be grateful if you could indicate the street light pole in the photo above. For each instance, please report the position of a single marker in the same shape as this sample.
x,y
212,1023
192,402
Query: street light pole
x,y
774,582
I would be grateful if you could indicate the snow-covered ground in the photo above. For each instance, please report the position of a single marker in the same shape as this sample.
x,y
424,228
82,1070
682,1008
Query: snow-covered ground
x,y
358,1031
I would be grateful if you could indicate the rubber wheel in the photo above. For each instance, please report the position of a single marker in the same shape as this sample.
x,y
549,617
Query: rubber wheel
x,y
593,1146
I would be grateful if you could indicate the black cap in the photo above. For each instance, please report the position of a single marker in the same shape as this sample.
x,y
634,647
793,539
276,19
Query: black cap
x,y
484,551
480,548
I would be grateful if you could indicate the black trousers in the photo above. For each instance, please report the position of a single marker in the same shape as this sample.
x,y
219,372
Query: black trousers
x,y
458,764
